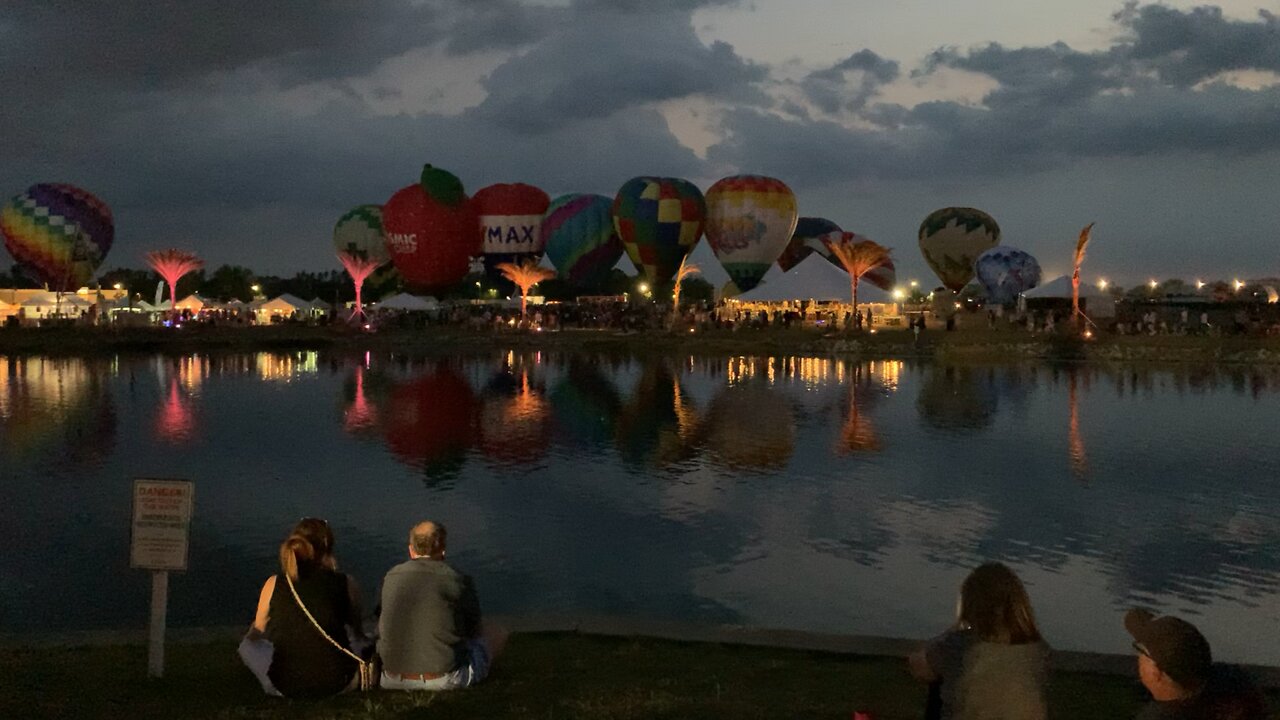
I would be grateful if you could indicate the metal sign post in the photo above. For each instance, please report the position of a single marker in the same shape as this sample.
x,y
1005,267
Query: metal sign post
x,y
160,540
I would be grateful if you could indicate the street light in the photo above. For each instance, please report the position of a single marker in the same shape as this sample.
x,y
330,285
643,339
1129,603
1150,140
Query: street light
x,y
1102,284
1199,284
1238,285
899,293
1153,284
915,284
644,288
118,286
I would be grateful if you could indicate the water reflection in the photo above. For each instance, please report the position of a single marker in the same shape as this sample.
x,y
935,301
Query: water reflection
x,y
751,427
801,492
431,421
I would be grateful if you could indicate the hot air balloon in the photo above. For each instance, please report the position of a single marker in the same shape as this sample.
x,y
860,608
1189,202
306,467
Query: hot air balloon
x,y
432,231
1006,273
805,240
510,223
60,232
580,239
750,219
432,422
952,238
359,233
659,221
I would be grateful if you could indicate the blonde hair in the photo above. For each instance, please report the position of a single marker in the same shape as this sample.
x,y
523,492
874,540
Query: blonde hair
x,y
308,546
995,605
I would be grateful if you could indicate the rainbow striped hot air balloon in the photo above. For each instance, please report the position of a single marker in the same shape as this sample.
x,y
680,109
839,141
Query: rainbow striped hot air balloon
x,y
750,219
580,239
60,232
659,221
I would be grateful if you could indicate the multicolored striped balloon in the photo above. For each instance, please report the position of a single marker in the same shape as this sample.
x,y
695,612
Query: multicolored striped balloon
x,y
580,239
60,232
750,219
804,241
359,233
659,220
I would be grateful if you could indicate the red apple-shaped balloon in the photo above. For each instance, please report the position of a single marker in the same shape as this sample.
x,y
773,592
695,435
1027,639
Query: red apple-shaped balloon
x,y
432,231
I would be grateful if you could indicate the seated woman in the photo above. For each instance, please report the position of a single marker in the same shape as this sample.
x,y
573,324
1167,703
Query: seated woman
x,y
284,648
992,663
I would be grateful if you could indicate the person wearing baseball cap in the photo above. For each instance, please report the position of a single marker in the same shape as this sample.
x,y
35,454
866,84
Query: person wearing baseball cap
x,y
1176,666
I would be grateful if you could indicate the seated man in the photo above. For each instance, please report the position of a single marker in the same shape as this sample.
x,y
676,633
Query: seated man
x,y
430,636
1176,666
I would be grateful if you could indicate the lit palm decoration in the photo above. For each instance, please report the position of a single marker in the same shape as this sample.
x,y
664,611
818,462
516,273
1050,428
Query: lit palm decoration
x,y
359,268
1081,244
858,258
525,275
172,265
687,269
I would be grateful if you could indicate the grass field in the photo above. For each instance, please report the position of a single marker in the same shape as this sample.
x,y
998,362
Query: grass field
x,y
545,675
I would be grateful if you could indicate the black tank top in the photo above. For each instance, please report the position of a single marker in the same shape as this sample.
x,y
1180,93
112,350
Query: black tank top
x,y
304,663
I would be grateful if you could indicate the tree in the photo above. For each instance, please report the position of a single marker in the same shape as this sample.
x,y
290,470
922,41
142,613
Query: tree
x,y
228,282
858,258
1081,244
358,268
525,275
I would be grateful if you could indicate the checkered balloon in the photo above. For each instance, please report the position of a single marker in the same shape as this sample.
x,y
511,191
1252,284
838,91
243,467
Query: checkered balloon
x,y
60,232
659,221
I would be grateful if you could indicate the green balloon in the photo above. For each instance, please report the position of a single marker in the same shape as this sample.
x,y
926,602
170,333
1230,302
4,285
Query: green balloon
x,y
442,186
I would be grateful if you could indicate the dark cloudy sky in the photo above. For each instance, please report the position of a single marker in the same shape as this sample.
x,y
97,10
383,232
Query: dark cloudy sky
x,y
243,129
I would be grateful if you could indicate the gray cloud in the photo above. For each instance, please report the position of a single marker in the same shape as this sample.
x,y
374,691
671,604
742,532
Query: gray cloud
x,y
604,64
145,44
833,89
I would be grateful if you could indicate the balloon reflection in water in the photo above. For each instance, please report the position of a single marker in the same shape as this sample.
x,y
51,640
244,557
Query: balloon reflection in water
x,y
955,398
649,426
61,409
751,426
431,422
586,405
515,416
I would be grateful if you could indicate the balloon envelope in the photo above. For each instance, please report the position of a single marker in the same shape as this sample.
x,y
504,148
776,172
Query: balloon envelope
x,y
659,221
359,233
750,219
510,221
60,232
430,242
952,238
804,241
580,238
1006,273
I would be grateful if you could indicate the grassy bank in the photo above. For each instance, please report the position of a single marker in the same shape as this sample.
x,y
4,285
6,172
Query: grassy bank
x,y
967,344
546,675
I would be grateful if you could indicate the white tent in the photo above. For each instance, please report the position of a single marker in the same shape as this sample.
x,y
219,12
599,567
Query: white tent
x,y
407,302
194,303
814,278
545,263
627,267
284,306
1060,287
7,309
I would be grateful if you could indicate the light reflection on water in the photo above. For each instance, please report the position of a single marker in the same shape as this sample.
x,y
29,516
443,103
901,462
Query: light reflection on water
x,y
792,492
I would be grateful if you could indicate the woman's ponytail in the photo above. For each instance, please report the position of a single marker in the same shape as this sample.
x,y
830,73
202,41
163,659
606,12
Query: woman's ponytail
x,y
295,551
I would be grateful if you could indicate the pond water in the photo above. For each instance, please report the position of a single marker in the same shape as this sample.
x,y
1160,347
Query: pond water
x,y
785,492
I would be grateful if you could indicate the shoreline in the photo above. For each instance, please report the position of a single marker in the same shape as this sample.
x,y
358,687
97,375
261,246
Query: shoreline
x,y
978,345
620,627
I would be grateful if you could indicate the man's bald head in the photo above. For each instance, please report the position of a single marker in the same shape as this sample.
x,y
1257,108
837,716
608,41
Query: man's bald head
x,y
427,539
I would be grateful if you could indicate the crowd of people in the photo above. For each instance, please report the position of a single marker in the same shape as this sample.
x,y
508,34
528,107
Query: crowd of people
x,y
308,639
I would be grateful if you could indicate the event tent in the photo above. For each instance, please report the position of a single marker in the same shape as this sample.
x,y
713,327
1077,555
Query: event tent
x,y
627,267
408,303
814,278
285,306
194,303
1060,287
709,267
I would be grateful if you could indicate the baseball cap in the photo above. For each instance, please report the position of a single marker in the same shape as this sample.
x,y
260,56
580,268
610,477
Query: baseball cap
x,y
1176,646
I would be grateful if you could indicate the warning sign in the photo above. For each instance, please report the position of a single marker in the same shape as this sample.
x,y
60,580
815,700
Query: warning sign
x,y
161,524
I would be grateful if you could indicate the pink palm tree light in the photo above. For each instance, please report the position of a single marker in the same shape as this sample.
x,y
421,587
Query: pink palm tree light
x,y
359,268
171,265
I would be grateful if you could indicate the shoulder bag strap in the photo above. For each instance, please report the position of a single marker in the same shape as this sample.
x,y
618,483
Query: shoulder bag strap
x,y
315,624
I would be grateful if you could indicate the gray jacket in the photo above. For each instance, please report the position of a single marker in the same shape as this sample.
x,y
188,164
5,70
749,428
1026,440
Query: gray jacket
x,y
428,611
